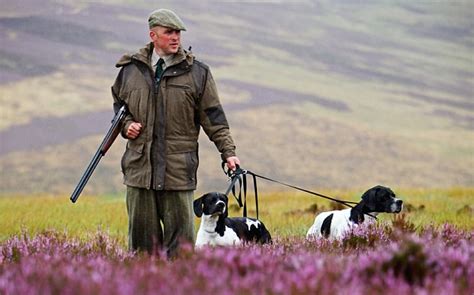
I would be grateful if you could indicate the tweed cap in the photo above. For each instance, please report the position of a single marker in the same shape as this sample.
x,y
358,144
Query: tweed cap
x,y
165,18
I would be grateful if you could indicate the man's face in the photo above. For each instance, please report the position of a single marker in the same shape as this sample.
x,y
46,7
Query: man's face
x,y
166,40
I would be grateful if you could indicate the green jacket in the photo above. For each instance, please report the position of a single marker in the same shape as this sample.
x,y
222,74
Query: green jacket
x,y
165,154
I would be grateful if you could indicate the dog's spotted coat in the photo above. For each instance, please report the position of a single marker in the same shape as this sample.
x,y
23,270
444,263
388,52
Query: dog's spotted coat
x,y
335,224
217,229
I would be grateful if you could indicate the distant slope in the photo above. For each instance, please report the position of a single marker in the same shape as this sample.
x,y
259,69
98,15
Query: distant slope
x,y
320,94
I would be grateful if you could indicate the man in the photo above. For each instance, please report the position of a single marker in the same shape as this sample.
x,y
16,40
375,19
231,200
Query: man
x,y
169,95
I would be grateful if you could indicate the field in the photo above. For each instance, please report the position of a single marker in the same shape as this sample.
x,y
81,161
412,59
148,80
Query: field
x,y
50,246
334,95
286,213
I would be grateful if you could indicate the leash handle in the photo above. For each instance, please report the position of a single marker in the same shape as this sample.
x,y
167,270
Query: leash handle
x,y
238,171
234,177
239,176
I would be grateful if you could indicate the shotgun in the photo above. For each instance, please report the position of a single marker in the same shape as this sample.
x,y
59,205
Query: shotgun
x,y
109,139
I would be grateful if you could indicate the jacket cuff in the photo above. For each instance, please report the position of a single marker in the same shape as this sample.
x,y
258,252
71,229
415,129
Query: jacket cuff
x,y
227,154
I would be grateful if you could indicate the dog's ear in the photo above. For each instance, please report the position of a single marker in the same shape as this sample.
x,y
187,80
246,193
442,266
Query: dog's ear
x,y
197,204
226,211
370,197
226,200
390,192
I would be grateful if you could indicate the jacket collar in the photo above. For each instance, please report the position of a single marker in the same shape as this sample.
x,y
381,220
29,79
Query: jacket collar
x,y
144,55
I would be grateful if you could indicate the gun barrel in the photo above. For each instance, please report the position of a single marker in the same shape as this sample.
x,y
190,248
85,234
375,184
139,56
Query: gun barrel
x,y
110,137
85,177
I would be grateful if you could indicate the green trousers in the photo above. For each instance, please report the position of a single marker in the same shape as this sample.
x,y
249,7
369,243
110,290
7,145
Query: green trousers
x,y
159,220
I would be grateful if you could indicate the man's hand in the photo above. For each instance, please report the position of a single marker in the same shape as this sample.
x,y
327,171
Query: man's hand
x,y
134,130
232,162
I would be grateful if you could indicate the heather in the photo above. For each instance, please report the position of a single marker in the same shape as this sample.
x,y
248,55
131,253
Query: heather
x,y
50,246
389,257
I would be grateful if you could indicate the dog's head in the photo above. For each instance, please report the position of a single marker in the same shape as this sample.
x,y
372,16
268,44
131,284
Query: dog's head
x,y
211,204
382,199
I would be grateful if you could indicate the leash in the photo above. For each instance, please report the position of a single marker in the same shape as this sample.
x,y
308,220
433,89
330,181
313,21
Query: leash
x,y
240,175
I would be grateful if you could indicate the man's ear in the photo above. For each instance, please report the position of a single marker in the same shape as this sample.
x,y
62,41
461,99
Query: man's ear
x,y
153,35
197,204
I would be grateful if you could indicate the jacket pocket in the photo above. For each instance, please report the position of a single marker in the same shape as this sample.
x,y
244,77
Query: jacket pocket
x,y
136,145
133,159
181,163
181,169
181,86
192,162
180,110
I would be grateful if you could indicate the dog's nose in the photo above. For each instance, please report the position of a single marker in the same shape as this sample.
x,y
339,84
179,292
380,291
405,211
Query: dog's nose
x,y
220,206
399,202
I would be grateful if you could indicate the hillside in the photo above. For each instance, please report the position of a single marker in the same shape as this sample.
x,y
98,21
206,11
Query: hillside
x,y
319,94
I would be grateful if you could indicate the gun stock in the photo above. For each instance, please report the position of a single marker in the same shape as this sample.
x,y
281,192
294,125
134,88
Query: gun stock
x,y
107,142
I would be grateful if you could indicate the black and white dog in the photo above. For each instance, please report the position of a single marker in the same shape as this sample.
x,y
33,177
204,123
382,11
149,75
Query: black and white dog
x,y
335,224
218,230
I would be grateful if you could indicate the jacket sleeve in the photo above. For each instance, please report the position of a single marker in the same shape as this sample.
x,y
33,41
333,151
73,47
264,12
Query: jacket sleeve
x,y
118,102
213,119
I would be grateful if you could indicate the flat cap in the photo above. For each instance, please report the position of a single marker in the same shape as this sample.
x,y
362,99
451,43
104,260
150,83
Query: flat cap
x,y
165,18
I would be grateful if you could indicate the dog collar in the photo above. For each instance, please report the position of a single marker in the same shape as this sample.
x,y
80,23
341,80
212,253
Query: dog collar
x,y
210,232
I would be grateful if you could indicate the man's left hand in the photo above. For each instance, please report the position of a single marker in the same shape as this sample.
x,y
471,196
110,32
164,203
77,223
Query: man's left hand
x,y
232,162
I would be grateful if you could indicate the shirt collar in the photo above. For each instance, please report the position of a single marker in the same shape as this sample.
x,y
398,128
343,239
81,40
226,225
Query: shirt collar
x,y
155,57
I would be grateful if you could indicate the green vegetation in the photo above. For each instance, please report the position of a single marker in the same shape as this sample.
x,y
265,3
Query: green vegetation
x,y
38,213
285,213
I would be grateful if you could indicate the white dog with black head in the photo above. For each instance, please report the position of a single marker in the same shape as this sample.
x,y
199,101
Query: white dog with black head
x,y
217,229
335,224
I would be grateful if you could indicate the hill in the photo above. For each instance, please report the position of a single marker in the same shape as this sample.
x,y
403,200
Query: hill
x,y
320,94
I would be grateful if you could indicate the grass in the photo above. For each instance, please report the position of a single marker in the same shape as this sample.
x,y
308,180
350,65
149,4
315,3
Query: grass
x,y
35,214
285,213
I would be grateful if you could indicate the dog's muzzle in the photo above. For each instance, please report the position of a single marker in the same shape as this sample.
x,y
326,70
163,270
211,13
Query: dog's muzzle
x,y
219,208
396,206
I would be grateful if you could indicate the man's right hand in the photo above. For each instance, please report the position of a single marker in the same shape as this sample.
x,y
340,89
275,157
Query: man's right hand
x,y
134,130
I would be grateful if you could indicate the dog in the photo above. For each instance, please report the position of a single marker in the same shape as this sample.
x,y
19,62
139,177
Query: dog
x,y
335,224
217,229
